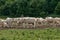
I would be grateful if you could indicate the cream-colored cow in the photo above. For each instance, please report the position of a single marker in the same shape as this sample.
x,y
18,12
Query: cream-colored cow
x,y
57,21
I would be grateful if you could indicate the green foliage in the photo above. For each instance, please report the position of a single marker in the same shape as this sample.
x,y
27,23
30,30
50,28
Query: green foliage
x,y
57,9
32,8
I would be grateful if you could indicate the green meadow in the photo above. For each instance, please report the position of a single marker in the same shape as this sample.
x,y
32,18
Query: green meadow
x,y
30,34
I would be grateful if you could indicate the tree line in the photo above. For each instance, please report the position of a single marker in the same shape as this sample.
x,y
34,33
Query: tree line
x,y
30,8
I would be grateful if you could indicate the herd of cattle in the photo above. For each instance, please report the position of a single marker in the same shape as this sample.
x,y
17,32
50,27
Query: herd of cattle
x,y
30,22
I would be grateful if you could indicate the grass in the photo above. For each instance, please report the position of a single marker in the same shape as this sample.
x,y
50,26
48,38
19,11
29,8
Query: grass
x,y
30,34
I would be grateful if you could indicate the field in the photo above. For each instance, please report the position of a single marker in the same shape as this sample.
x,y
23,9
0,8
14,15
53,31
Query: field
x,y
30,34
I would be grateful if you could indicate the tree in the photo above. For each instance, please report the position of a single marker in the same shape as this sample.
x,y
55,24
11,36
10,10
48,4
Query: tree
x,y
31,8
57,9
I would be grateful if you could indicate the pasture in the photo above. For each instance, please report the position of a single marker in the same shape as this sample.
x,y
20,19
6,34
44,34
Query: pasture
x,y
30,34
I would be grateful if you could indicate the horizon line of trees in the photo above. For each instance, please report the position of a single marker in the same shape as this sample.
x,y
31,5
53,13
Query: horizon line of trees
x,y
30,8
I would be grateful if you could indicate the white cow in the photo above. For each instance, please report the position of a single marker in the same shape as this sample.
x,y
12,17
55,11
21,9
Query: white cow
x,y
49,18
57,20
